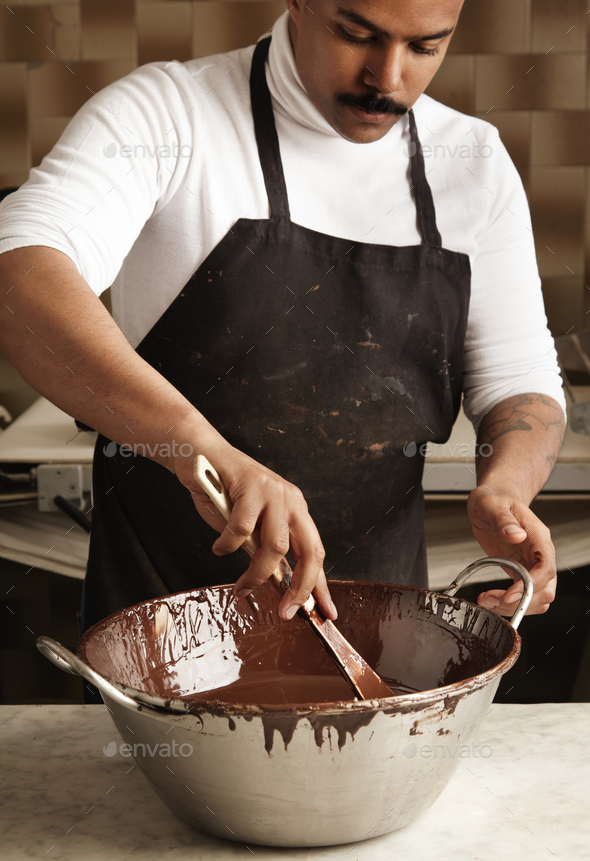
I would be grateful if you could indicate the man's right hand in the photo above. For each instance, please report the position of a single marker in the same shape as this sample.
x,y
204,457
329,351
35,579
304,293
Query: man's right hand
x,y
264,501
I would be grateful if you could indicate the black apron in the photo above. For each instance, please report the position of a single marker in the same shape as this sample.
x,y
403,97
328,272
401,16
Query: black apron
x,y
327,360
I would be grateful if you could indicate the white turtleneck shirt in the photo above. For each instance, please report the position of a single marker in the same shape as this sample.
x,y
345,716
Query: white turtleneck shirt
x,y
154,170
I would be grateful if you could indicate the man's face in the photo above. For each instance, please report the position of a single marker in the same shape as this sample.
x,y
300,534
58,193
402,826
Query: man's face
x,y
365,62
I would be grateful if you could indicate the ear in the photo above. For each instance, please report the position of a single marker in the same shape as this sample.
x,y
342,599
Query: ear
x,y
295,9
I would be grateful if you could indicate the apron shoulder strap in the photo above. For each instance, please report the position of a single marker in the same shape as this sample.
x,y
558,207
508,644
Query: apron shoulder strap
x,y
266,134
422,192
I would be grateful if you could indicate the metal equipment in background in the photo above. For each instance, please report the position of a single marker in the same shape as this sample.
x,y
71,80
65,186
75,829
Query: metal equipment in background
x,y
46,490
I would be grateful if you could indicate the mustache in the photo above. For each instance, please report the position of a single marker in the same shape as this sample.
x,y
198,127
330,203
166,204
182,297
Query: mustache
x,y
372,103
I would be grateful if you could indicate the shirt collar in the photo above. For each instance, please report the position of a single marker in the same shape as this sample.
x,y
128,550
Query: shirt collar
x,y
286,88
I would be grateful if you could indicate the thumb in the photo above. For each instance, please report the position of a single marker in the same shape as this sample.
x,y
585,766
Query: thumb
x,y
508,528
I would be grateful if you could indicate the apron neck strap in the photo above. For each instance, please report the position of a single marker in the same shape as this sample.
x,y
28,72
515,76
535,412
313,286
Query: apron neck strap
x,y
266,134
422,193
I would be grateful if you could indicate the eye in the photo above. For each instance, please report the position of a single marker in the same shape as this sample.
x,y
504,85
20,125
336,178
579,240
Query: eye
x,y
429,52
350,38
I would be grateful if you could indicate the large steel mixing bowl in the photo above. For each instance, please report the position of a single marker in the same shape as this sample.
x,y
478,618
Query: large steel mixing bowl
x,y
310,774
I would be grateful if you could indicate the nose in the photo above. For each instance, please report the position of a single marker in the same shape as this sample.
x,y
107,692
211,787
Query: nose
x,y
385,73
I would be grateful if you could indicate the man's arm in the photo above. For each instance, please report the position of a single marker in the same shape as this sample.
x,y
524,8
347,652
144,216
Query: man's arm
x,y
65,344
525,433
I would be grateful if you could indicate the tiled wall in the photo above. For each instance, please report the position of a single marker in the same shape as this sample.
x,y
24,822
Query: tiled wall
x,y
521,64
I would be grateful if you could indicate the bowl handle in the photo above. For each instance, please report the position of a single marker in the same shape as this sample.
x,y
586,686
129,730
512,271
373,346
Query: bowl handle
x,y
70,663
504,563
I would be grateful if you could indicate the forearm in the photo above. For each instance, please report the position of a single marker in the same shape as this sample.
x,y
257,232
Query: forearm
x,y
524,433
522,437
65,344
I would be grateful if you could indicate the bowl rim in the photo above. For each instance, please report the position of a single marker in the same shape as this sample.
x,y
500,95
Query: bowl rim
x,y
449,694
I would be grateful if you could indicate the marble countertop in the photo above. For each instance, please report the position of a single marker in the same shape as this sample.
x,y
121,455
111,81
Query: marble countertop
x,y
63,798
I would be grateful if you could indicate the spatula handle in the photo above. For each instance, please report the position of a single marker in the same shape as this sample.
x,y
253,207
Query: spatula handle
x,y
210,481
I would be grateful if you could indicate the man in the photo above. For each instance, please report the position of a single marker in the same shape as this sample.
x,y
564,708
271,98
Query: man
x,y
305,304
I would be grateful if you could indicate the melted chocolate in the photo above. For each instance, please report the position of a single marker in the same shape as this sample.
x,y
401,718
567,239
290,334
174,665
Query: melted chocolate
x,y
225,654
287,724
274,688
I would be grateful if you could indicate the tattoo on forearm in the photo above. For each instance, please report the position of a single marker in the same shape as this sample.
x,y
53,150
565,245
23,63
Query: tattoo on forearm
x,y
518,416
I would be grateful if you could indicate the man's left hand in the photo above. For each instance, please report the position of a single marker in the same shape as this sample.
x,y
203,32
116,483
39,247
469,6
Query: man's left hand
x,y
506,527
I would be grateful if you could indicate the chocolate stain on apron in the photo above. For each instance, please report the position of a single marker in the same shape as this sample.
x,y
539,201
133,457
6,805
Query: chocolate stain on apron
x,y
329,361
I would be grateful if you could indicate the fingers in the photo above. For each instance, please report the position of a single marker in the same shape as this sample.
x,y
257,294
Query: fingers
x,y
260,498
308,575
506,527
494,600
498,601
496,515
208,511
505,602
242,524
544,576
323,597
274,545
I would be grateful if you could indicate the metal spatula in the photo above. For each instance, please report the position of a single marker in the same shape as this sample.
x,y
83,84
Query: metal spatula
x,y
355,669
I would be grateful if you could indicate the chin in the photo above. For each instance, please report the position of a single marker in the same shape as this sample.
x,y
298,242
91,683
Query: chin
x,y
362,134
